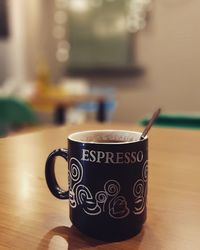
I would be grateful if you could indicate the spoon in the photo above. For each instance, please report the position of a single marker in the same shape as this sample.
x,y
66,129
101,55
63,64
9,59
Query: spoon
x,y
150,123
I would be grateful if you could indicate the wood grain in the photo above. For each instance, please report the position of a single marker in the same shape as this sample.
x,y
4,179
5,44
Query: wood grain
x,y
31,218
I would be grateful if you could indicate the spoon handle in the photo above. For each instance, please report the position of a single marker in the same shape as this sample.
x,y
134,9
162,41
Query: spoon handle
x,y
150,123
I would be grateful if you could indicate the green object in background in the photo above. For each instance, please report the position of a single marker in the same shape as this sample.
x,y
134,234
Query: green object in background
x,y
190,121
15,113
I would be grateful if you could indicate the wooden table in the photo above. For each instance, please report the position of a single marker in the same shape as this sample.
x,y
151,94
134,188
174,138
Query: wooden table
x,y
31,218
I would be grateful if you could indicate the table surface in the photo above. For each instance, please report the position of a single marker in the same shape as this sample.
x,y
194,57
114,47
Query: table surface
x,y
31,218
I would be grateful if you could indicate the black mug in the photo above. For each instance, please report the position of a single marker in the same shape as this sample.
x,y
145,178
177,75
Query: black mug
x,y
107,175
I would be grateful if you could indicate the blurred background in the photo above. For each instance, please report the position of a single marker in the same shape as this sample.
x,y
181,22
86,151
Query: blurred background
x,y
108,60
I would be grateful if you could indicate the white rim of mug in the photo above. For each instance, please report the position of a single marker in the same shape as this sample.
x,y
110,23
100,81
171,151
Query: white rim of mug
x,y
107,130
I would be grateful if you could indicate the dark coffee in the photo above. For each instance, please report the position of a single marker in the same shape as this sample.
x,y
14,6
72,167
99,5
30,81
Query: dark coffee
x,y
108,141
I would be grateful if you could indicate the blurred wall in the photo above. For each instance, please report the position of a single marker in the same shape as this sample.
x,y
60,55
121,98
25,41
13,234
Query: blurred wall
x,y
12,49
30,40
169,49
4,50
40,43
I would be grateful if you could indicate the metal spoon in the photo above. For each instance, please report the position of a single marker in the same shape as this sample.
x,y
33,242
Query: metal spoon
x,y
150,123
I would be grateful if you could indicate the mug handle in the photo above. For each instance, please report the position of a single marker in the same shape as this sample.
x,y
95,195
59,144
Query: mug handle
x,y
52,183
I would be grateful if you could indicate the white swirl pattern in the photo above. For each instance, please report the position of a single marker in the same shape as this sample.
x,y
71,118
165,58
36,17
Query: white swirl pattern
x,y
75,175
79,194
117,206
85,198
112,187
101,197
145,171
140,190
76,170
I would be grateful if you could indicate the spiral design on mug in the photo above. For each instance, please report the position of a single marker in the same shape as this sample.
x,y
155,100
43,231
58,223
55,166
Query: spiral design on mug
x,y
112,187
145,171
101,197
138,188
72,198
76,170
118,207
84,197
82,194
139,205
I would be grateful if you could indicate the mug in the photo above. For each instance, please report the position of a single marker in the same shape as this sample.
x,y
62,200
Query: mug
x,y
107,177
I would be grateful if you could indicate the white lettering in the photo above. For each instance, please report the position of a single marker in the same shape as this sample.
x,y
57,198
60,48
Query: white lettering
x,y
133,157
85,155
92,156
140,156
100,155
120,157
109,157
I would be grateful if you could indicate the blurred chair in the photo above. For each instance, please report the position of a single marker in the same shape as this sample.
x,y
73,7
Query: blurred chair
x,y
176,120
100,110
15,114
103,110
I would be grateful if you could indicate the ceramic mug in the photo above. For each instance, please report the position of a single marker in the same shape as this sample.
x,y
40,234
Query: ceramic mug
x,y
107,176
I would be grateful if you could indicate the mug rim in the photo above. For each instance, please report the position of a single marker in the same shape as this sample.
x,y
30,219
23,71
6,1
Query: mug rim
x,y
100,131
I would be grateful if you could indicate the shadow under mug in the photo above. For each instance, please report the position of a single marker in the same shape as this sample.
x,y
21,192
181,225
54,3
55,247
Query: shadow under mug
x,y
107,176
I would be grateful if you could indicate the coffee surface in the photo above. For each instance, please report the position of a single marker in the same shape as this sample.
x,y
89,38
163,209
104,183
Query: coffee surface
x,y
109,141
